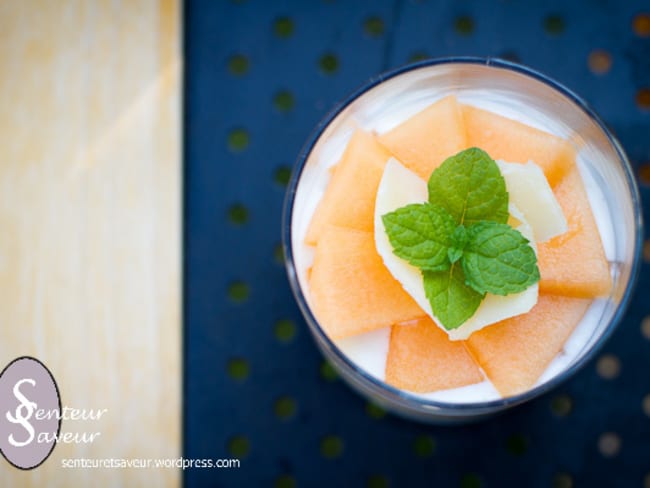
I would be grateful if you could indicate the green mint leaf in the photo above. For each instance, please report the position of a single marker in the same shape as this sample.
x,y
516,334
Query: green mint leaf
x,y
470,187
454,254
458,243
459,237
419,233
498,259
452,301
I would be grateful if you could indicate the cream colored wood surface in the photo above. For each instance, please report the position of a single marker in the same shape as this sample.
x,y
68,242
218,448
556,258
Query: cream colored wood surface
x,y
90,182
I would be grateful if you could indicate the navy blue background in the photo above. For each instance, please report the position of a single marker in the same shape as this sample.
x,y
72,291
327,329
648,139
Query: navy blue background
x,y
224,416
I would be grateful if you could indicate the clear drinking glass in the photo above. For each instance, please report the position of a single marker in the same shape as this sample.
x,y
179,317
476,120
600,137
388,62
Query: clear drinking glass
x,y
510,90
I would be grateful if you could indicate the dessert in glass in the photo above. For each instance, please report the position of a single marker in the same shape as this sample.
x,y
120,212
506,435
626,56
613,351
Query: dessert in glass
x,y
461,235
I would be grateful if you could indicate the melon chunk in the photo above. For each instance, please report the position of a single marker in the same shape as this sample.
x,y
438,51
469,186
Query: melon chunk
x,y
425,140
515,352
349,199
351,290
507,139
422,359
574,263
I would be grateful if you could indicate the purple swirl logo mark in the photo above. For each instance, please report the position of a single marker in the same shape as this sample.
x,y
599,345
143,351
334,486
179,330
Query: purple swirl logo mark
x,y
29,413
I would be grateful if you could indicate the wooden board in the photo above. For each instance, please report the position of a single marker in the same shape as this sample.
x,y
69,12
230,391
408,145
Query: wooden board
x,y
90,182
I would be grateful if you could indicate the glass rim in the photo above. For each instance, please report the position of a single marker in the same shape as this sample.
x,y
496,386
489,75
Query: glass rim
x,y
408,400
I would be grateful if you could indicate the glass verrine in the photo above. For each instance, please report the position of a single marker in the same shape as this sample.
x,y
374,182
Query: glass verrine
x,y
510,90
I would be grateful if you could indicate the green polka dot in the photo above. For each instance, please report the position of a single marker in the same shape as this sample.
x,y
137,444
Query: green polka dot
x,y
238,65
329,64
562,480
418,56
278,254
464,25
285,481
424,446
282,175
239,446
285,330
517,444
378,481
375,411
285,408
238,140
554,24
283,101
238,291
374,26
471,480
327,372
238,214
331,446
561,405
283,27
238,369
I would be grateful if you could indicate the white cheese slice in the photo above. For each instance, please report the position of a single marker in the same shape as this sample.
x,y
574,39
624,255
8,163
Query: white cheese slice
x,y
399,187
531,193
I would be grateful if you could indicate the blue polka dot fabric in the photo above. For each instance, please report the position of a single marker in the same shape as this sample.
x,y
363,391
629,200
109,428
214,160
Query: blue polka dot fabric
x,y
259,75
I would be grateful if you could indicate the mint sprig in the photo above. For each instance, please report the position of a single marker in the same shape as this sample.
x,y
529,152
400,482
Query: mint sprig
x,y
460,240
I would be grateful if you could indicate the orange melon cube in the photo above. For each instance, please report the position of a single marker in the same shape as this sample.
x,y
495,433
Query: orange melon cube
x,y
515,352
422,359
512,141
351,290
574,263
424,141
349,199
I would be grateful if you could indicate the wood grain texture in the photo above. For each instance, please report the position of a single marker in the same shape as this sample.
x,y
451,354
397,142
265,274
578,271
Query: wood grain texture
x,y
90,182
